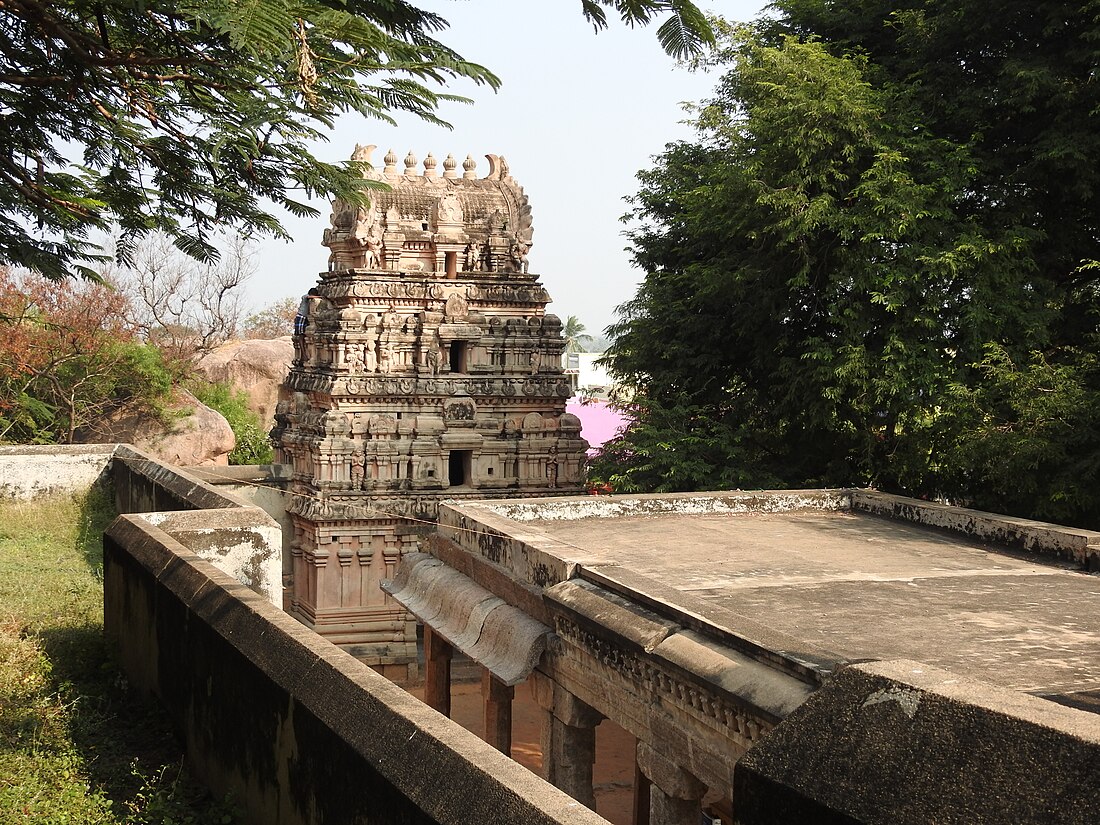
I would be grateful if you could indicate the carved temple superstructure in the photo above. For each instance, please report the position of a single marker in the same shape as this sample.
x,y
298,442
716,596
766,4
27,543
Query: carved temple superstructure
x,y
427,370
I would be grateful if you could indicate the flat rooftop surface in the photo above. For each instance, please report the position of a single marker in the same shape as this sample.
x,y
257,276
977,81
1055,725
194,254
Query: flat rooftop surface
x,y
866,587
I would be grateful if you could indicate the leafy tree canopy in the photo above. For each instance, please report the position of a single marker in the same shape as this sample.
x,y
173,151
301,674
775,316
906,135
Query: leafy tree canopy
x,y
867,268
186,116
67,359
573,331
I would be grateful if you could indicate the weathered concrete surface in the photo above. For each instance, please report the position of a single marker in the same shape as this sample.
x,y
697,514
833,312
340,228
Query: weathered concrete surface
x,y
861,587
144,484
243,542
655,504
28,472
1080,546
900,743
264,486
703,624
240,539
297,730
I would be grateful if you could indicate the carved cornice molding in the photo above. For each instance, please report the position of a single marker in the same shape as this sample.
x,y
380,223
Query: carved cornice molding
x,y
589,651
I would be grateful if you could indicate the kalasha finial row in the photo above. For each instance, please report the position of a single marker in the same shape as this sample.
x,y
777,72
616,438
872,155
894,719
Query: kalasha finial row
x,y
498,166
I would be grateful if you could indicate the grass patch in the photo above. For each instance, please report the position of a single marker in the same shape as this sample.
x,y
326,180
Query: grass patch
x,y
75,746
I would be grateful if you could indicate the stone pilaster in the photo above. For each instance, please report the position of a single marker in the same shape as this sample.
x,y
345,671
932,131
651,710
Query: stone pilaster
x,y
675,795
437,671
498,712
568,740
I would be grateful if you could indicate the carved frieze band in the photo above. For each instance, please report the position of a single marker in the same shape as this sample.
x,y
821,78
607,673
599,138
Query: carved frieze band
x,y
358,508
364,507
530,387
418,290
694,698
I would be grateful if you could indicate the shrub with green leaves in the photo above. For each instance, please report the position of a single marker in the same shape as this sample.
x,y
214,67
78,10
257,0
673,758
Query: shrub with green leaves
x,y
68,358
253,444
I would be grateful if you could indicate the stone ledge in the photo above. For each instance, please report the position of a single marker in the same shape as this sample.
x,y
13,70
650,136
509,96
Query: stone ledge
x,y
178,486
711,667
618,506
901,743
1080,546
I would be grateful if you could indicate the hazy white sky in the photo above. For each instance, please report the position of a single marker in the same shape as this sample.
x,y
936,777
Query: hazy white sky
x,y
578,115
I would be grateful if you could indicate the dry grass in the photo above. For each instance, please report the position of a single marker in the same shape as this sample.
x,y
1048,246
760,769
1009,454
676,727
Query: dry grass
x,y
74,746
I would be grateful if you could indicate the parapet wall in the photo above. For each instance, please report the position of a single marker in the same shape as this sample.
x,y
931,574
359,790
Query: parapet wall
x,y
1079,546
34,472
296,729
902,743
238,537
145,485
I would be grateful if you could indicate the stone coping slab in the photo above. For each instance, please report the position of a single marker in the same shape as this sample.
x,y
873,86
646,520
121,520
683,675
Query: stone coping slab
x,y
902,743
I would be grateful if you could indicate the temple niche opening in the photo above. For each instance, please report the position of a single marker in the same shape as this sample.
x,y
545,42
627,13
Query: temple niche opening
x,y
427,369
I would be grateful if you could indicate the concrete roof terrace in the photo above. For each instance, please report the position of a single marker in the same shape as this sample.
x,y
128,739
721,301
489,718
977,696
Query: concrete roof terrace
x,y
841,576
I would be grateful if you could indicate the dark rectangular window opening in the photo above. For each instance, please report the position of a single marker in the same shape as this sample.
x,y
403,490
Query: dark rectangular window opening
x,y
458,468
458,356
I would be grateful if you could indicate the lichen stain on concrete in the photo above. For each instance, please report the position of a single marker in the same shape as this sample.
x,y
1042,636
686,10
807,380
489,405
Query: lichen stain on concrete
x,y
907,699
733,503
541,575
492,547
225,540
252,572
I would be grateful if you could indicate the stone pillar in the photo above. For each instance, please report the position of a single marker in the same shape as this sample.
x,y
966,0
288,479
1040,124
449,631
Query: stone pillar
x,y
568,740
437,671
498,712
675,794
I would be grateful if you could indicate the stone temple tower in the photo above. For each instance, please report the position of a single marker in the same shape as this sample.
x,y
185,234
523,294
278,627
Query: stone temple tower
x,y
428,370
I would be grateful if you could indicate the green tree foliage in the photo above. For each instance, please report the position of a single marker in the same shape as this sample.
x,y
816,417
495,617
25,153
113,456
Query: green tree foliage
x,y
189,116
573,331
274,320
847,283
684,33
67,358
184,116
1018,88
